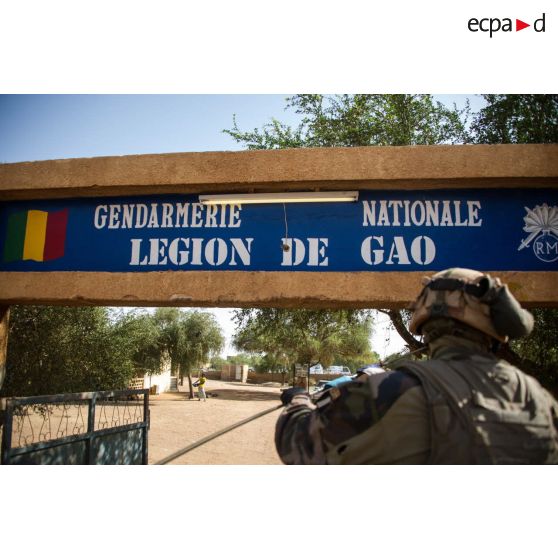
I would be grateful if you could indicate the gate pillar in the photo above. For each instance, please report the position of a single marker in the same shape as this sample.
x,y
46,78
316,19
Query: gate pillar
x,y
4,321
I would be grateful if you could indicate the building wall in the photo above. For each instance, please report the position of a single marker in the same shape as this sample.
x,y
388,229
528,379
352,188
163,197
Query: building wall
x,y
162,381
234,372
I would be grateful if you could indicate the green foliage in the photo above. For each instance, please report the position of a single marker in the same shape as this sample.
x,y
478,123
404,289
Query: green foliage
x,y
355,362
540,348
63,350
252,360
167,321
200,338
140,339
526,119
217,362
190,338
303,336
268,362
517,119
359,120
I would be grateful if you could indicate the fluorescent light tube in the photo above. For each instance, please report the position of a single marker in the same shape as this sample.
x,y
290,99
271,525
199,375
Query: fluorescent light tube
x,y
279,197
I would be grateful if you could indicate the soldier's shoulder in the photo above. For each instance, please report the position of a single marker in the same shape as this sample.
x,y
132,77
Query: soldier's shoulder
x,y
388,386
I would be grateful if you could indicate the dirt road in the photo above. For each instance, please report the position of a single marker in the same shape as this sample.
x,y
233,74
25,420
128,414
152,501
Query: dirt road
x,y
177,421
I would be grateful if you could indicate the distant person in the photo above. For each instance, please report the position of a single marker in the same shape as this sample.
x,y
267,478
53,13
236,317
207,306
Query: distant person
x,y
463,405
200,384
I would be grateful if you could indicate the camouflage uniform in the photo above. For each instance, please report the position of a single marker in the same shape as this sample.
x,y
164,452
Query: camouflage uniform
x,y
388,418
462,406
329,431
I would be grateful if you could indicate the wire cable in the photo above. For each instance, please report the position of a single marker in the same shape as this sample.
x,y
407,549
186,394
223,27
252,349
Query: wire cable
x,y
286,224
199,443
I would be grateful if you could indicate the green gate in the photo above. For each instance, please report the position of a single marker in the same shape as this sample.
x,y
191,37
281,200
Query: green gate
x,y
93,428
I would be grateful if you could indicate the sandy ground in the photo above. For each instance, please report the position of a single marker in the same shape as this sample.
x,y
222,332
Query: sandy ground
x,y
177,421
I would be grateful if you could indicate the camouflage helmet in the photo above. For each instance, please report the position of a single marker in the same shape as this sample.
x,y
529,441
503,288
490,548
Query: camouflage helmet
x,y
473,298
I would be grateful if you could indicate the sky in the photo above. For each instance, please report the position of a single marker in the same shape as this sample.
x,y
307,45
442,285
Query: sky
x,y
42,127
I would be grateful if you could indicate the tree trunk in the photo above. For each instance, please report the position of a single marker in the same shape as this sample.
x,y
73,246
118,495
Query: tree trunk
x,y
401,328
175,370
4,323
4,326
505,351
191,387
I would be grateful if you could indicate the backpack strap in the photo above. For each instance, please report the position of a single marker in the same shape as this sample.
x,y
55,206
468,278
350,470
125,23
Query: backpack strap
x,y
452,427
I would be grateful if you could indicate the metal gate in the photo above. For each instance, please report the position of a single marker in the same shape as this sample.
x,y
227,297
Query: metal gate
x,y
95,428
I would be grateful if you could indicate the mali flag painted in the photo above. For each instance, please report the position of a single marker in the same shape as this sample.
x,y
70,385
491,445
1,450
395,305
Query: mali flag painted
x,y
36,235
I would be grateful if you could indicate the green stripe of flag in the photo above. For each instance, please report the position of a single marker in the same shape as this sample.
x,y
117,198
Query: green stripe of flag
x,y
15,237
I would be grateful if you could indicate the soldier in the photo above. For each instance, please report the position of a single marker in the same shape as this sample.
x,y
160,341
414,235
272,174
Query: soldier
x,y
462,405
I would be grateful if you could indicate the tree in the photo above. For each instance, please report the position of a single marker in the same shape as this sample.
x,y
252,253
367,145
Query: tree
x,y
63,350
400,322
359,120
525,119
517,119
304,336
139,334
355,362
167,322
200,337
190,338
217,362
250,359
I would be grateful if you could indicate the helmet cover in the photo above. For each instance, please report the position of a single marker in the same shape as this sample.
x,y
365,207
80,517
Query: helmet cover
x,y
467,296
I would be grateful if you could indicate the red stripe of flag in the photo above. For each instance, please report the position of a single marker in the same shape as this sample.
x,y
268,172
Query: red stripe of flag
x,y
55,235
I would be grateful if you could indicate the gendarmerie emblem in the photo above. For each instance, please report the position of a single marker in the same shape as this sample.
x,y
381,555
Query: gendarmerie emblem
x,y
542,225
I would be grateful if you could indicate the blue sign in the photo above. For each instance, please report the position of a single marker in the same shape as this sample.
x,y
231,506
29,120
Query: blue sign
x,y
493,229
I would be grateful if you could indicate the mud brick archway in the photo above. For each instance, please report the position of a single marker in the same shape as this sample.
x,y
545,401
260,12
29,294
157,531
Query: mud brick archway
x,y
412,202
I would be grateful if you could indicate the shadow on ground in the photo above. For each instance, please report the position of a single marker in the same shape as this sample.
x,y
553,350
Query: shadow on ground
x,y
223,394
243,395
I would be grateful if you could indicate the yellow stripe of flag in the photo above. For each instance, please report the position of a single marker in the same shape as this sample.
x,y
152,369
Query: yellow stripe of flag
x,y
35,234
